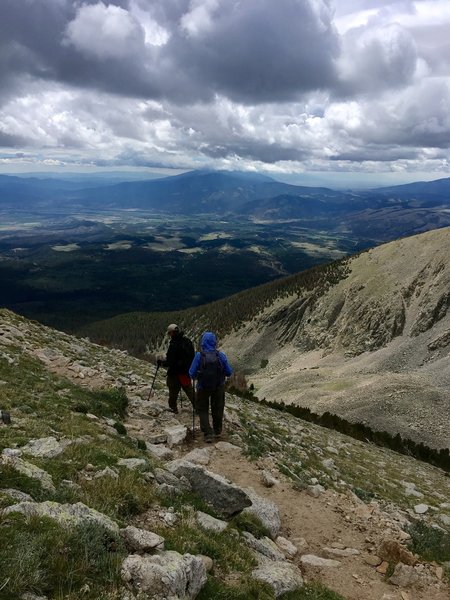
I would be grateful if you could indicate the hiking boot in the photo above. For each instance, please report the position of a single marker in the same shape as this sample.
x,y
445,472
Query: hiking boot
x,y
208,438
217,435
173,410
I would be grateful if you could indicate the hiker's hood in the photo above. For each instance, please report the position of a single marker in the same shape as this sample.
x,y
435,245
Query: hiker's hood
x,y
208,341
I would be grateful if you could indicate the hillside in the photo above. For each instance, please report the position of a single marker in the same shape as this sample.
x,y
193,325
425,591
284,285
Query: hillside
x,y
366,338
95,503
373,348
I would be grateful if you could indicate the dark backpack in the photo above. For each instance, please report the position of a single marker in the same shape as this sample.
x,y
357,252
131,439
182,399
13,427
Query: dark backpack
x,y
210,374
187,353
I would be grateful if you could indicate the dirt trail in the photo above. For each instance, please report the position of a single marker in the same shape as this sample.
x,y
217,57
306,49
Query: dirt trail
x,y
315,523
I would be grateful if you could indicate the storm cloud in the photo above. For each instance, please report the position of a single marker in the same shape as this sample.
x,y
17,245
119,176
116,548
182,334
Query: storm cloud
x,y
290,86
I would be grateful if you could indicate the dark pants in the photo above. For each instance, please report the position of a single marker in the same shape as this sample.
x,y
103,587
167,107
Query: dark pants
x,y
175,386
217,400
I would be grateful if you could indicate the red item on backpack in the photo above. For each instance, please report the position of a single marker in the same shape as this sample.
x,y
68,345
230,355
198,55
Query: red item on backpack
x,y
184,379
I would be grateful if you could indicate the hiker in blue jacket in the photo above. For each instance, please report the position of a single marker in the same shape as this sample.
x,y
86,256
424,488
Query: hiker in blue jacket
x,y
210,367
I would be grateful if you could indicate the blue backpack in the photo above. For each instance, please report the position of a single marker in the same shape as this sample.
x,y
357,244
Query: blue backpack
x,y
211,373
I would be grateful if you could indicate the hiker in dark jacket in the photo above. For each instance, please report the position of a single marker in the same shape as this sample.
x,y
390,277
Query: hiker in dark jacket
x,y
178,358
210,367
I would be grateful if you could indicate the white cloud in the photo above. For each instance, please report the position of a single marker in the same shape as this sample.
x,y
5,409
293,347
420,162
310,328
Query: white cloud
x,y
104,32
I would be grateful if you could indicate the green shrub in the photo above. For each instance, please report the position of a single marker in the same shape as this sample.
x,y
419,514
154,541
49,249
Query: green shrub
x,y
430,543
11,478
120,428
39,556
250,523
312,591
246,589
227,551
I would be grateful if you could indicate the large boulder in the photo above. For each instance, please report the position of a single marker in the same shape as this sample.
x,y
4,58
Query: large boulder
x,y
165,575
227,498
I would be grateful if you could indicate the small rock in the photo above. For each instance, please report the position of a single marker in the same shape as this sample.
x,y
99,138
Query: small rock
x,y
227,447
383,568
106,472
404,576
393,552
315,490
342,552
198,456
17,495
159,452
264,546
208,562
140,540
286,546
316,561
282,577
175,435
421,509
268,479
372,560
132,463
210,523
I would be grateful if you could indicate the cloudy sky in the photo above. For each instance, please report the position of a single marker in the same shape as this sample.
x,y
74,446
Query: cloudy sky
x,y
321,87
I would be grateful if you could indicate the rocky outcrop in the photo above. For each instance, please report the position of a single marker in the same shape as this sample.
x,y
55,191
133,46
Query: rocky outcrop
x,y
165,575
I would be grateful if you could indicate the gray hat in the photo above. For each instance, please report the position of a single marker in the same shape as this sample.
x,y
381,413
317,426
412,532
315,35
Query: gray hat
x,y
172,327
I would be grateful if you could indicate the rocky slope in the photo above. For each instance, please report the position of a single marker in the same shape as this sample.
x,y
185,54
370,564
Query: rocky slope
x,y
155,509
374,347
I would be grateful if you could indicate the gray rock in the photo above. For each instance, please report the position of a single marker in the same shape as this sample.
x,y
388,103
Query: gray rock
x,y
31,596
286,546
342,552
166,575
66,515
444,519
328,463
266,511
281,576
48,447
264,546
198,456
315,490
175,435
159,452
181,484
227,498
157,438
227,447
316,561
268,479
132,463
17,495
106,472
140,540
404,576
210,523
29,470
421,509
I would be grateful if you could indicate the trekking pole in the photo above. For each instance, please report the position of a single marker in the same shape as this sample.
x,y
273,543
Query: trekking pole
x,y
193,409
153,383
